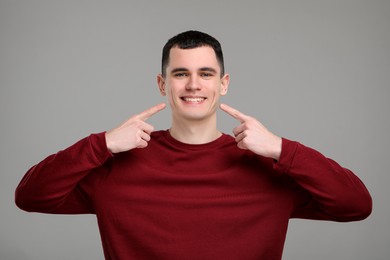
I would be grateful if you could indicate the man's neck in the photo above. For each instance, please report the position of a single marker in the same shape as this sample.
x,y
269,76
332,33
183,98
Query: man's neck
x,y
195,132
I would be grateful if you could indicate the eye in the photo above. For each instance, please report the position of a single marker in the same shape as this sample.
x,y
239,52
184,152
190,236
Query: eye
x,y
180,75
206,75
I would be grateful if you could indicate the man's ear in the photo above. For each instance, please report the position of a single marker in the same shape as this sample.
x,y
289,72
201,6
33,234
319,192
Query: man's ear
x,y
225,84
161,84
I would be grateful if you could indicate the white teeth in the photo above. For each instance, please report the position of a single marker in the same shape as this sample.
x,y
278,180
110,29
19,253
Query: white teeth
x,y
194,99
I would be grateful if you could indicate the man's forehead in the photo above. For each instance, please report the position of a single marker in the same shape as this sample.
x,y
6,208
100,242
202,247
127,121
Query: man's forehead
x,y
203,56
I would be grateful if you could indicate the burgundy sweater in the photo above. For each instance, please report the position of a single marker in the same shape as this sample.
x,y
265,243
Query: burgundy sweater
x,y
178,201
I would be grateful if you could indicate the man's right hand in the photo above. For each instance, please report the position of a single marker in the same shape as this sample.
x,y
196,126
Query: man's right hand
x,y
133,133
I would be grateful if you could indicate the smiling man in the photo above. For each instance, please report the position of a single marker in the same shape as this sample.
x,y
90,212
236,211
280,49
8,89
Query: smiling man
x,y
193,192
193,81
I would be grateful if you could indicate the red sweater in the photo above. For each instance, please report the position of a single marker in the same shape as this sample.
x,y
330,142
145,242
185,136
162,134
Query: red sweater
x,y
178,201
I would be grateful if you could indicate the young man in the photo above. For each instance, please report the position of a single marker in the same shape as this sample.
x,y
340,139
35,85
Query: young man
x,y
192,192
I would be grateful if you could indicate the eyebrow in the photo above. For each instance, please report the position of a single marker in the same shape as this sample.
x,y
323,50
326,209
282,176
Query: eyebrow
x,y
208,69
201,69
178,70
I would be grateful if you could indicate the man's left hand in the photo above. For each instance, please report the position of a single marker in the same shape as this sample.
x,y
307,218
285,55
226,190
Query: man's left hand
x,y
253,136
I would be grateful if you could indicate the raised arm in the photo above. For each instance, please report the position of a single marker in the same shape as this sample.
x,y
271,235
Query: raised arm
x,y
337,193
51,186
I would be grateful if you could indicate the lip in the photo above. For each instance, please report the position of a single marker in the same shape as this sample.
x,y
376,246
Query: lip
x,y
193,99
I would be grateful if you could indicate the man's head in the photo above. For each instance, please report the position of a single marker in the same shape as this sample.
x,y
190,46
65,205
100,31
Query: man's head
x,y
191,40
192,76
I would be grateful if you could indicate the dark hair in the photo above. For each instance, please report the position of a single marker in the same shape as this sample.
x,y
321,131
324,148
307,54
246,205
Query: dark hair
x,y
191,40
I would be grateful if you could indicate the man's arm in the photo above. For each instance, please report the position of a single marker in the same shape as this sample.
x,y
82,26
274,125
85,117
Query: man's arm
x,y
338,194
51,186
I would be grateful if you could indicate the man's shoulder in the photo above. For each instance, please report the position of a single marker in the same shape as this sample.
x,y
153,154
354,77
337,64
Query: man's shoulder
x,y
158,134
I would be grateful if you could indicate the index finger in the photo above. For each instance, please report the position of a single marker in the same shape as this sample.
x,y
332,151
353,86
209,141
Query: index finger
x,y
234,113
151,111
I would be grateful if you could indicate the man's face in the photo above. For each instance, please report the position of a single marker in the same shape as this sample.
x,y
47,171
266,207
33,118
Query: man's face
x,y
193,83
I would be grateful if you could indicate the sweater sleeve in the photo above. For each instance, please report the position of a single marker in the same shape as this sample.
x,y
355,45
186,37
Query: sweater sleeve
x,y
336,193
51,186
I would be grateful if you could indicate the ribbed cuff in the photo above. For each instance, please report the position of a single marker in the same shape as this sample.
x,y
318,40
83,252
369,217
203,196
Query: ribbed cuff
x,y
287,155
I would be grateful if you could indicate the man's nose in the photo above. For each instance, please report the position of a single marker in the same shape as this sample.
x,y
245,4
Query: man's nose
x,y
193,83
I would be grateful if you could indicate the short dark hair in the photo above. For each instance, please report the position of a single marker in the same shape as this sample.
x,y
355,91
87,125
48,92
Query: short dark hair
x,y
190,40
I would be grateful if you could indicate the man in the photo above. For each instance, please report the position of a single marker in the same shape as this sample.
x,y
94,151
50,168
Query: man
x,y
192,192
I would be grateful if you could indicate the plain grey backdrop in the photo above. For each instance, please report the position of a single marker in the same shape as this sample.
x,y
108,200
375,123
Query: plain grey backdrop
x,y
313,71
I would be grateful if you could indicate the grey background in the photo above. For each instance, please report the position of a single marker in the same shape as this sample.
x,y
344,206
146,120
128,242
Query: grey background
x,y
313,71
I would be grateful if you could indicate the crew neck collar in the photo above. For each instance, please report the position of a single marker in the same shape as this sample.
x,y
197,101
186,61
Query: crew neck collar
x,y
207,145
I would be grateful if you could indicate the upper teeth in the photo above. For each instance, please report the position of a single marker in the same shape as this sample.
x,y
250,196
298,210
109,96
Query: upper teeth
x,y
194,99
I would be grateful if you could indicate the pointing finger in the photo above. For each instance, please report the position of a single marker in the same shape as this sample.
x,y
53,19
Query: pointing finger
x,y
151,111
234,113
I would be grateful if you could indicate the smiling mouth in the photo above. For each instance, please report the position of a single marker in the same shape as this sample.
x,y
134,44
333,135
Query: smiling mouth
x,y
193,99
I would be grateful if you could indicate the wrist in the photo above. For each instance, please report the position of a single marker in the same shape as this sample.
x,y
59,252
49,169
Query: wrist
x,y
277,148
108,143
